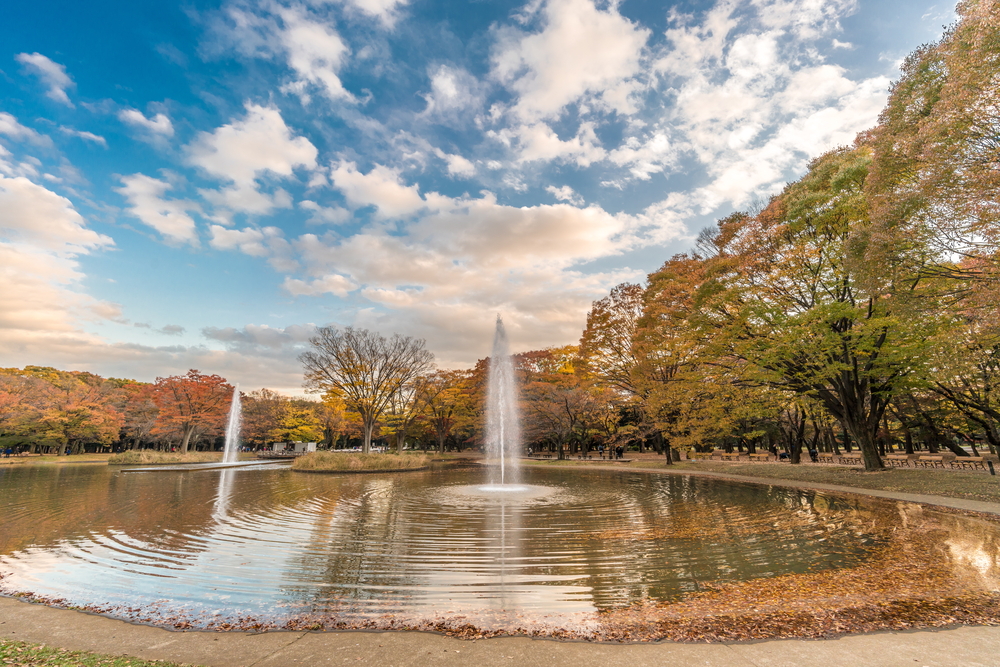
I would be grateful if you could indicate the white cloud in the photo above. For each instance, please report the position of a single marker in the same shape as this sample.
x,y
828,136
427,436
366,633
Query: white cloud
x,y
387,11
457,165
42,219
41,236
565,193
645,157
453,90
381,187
805,19
51,73
249,241
10,127
539,142
86,136
246,150
309,44
329,284
159,125
332,215
169,217
580,50
754,100
463,259
315,51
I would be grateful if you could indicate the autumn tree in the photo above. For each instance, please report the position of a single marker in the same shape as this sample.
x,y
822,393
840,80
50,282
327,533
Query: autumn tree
x,y
784,297
263,414
607,352
935,177
666,349
191,405
441,394
364,369
300,422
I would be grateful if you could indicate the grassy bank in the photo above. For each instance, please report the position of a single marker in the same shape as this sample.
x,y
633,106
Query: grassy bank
x,y
20,653
342,462
147,456
946,483
52,459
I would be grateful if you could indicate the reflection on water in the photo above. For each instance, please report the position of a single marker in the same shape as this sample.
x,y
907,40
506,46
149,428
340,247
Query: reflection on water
x,y
273,543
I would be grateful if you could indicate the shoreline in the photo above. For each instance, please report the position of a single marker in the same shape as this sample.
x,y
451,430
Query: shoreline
x,y
972,646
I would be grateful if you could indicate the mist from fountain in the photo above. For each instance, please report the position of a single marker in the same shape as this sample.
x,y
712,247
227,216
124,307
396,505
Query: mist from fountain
x,y
503,427
232,449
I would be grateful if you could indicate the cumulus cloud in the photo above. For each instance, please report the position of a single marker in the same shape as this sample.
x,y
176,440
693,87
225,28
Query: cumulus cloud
x,y
456,164
36,217
246,150
386,11
51,73
332,215
559,64
169,217
328,284
539,142
315,51
158,126
41,237
453,91
309,45
565,193
249,241
754,100
381,187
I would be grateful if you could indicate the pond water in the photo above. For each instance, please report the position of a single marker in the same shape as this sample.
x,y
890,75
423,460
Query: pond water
x,y
272,544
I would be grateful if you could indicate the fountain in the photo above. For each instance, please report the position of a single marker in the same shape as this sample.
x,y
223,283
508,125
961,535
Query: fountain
x,y
232,449
503,431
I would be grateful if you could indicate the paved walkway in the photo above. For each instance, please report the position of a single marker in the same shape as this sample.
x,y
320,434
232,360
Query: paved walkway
x,y
77,631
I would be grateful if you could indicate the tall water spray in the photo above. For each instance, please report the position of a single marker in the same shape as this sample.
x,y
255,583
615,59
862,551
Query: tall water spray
x,y
233,429
503,427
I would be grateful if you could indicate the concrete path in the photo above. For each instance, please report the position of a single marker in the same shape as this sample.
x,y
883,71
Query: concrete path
x,y
77,631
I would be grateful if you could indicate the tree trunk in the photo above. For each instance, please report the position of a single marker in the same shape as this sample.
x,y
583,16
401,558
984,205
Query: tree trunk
x,y
188,430
366,445
400,441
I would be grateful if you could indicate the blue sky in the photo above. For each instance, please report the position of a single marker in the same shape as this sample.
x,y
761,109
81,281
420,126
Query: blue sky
x,y
200,185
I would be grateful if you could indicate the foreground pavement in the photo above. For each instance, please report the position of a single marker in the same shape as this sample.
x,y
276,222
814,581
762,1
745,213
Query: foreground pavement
x,y
78,631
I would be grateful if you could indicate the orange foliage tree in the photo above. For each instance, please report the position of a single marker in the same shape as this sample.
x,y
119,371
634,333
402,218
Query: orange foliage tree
x,y
191,405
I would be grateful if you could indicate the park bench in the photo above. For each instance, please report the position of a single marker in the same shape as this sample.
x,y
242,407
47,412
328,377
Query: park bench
x,y
700,456
824,457
849,459
930,461
973,462
729,457
762,457
898,460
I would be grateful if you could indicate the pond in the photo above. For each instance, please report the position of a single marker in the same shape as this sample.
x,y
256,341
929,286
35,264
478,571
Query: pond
x,y
274,548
